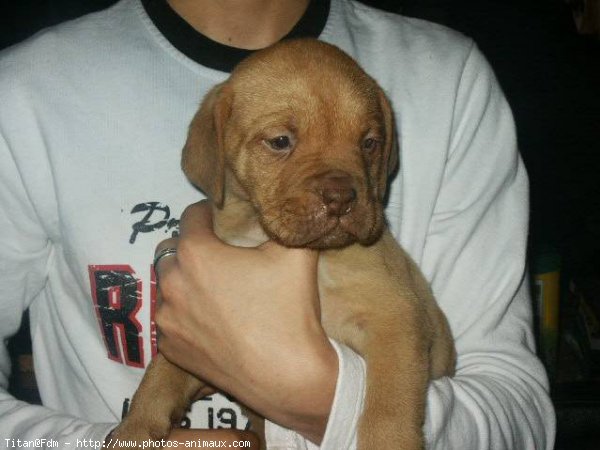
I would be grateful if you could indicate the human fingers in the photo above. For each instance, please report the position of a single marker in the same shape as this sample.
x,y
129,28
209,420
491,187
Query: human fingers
x,y
165,253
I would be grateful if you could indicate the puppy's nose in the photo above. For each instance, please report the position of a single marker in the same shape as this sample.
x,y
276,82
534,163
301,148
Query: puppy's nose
x,y
338,193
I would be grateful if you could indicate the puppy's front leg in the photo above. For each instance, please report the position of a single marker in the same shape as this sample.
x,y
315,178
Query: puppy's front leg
x,y
165,393
369,301
397,378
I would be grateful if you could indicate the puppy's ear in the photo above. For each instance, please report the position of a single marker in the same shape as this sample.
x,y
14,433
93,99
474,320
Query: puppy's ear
x,y
203,158
390,153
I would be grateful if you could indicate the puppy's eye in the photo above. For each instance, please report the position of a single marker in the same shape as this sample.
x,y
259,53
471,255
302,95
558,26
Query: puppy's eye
x,y
370,144
280,143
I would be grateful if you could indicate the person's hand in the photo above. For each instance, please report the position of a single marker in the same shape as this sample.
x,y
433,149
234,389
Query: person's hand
x,y
247,320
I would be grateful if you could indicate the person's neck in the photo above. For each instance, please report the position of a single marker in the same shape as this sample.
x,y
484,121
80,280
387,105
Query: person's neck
x,y
247,24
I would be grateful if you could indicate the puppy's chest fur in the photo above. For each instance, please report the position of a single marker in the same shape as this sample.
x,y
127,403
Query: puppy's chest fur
x,y
355,285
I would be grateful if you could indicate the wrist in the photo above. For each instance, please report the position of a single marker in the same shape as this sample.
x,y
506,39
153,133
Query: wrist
x,y
312,382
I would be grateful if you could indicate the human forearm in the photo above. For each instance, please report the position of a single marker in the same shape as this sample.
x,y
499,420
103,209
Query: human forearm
x,y
25,249
484,412
345,411
307,410
499,396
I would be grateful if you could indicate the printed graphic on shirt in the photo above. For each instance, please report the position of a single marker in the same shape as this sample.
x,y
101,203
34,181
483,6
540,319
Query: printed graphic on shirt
x,y
153,216
117,291
117,296
211,416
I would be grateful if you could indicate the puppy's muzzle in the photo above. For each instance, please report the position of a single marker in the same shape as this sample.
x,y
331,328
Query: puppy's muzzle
x,y
337,192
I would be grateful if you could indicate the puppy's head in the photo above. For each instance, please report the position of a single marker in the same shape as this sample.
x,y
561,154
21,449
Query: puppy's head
x,y
301,132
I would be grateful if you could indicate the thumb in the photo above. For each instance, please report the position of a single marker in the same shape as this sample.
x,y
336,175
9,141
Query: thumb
x,y
196,225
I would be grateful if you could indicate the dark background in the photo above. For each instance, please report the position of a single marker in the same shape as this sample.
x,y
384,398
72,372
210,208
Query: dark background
x,y
550,74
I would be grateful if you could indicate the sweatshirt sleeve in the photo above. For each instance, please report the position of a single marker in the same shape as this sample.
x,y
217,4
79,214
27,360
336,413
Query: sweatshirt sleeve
x,y
475,257
476,254
25,251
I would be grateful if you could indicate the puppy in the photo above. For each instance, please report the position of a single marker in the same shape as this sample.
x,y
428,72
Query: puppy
x,y
297,146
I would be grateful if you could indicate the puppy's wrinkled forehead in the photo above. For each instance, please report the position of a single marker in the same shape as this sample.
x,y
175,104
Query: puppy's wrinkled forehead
x,y
303,77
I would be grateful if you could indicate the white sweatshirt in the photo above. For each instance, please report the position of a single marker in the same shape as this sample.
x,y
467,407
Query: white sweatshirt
x,y
93,114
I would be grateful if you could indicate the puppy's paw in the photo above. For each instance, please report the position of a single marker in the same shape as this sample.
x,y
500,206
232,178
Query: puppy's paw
x,y
257,425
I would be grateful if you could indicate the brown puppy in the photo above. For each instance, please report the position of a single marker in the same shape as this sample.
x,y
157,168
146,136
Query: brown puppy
x,y
297,146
